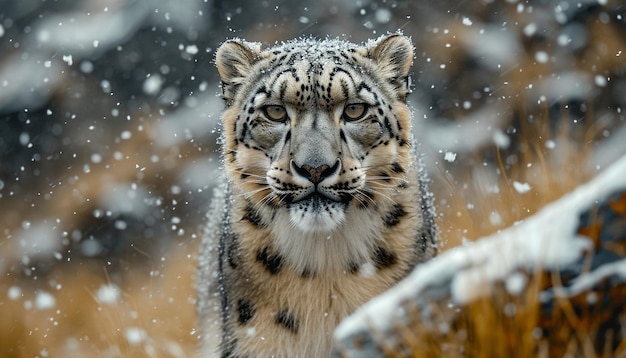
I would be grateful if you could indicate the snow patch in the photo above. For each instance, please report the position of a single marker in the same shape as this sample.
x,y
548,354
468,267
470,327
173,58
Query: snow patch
x,y
589,279
542,57
191,49
516,283
86,66
383,15
126,198
152,84
68,59
135,335
530,29
126,135
493,45
44,301
38,240
600,81
186,123
567,85
90,247
14,293
108,294
477,129
449,157
24,139
521,188
96,158
501,139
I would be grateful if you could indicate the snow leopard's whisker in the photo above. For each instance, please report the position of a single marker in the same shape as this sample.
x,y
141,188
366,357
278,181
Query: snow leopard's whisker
x,y
382,187
384,177
268,198
250,193
373,190
363,198
380,184
256,181
247,173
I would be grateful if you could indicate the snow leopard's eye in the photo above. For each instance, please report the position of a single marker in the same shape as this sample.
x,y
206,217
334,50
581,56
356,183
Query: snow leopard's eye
x,y
354,112
275,113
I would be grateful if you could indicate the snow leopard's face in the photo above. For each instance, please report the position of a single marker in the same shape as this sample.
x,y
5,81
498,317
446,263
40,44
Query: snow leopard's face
x,y
316,129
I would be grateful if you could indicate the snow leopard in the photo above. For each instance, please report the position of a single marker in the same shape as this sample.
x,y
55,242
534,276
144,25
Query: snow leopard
x,y
324,203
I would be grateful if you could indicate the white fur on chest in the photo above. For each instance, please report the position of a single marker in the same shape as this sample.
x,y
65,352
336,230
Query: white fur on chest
x,y
350,243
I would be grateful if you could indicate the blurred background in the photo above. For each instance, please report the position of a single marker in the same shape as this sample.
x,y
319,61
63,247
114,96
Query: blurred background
x,y
109,116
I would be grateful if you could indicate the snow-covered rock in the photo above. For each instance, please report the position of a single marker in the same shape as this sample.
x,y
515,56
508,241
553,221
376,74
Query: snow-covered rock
x,y
572,254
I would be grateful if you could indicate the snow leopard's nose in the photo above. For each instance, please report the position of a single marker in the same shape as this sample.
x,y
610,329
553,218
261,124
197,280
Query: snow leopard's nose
x,y
315,174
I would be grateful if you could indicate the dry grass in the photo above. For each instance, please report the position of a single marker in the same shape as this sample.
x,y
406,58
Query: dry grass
x,y
153,316
504,325
479,199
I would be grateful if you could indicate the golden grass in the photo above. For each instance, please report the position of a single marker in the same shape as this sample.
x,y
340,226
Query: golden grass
x,y
154,315
504,325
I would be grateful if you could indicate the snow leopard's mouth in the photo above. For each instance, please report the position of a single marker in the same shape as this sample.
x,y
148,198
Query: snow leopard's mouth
x,y
317,198
317,202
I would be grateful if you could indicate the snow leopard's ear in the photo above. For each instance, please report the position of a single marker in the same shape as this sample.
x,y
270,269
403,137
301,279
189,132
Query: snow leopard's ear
x,y
234,60
394,56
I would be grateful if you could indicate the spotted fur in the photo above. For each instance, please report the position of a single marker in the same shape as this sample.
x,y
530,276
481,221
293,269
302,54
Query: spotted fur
x,y
325,204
